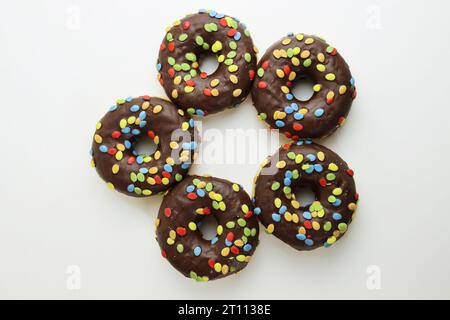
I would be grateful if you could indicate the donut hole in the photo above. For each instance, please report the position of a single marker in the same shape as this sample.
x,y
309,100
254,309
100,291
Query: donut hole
x,y
208,227
208,63
144,146
303,88
305,195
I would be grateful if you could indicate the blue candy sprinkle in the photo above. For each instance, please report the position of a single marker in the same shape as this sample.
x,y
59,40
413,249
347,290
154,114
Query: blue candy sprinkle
x,y
237,36
168,167
319,112
257,211
134,108
337,203
309,242
279,123
142,124
288,174
214,240
228,243
200,112
337,216
128,99
307,215
282,210
298,116
158,67
127,144
136,132
201,193
103,148
294,106
288,110
300,236
276,217
130,188
287,181
113,108
185,165
247,247
190,188
318,167
142,115
311,157
197,251
143,170
289,96
140,160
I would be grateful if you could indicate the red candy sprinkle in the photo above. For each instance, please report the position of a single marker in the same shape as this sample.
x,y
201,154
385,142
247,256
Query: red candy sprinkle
x,y
206,211
232,32
350,172
163,253
157,179
131,160
167,212
162,47
116,134
251,74
181,231
230,236
150,134
171,46
297,126
186,25
286,70
112,151
207,92
192,196
166,174
203,75
234,250
265,65
307,224
190,83
248,214
146,98
211,263
323,182
223,22
171,72
262,85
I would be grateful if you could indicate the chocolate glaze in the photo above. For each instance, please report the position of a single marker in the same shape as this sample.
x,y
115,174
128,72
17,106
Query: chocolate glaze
x,y
186,42
293,58
311,226
130,120
180,215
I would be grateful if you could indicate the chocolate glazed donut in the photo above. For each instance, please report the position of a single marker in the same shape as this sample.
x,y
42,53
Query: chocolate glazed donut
x,y
305,164
129,120
294,58
181,215
190,39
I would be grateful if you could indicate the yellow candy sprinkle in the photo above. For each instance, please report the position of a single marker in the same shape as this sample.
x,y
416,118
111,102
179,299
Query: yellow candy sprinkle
x,y
237,92
333,167
98,138
151,181
320,156
123,123
225,251
98,126
286,41
309,41
131,120
330,77
235,187
321,57
234,79
280,73
192,226
157,109
157,222
110,185
281,164
115,169
295,61
145,105
317,87
120,147
298,158
153,170
305,54
217,267
214,82
295,204
165,181
174,93
285,89
214,92
270,228
119,155
315,225
320,67
342,90
173,145
299,37
177,80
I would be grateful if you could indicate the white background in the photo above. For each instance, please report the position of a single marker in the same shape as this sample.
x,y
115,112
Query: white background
x,y
63,63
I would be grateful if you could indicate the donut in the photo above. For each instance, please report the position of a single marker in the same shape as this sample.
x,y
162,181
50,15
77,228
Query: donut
x,y
191,39
289,60
296,166
179,219
130,120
